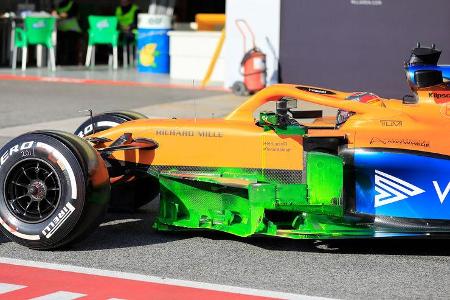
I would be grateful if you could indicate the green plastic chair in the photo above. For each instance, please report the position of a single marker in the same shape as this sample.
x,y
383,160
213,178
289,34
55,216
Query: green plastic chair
x,y
37,31
102,30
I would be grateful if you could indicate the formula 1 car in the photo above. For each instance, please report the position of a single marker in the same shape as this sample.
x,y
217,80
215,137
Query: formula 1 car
x,y
380,168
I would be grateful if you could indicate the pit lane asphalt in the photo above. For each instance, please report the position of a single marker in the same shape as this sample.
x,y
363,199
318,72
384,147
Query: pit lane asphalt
x,y
359,269
26,102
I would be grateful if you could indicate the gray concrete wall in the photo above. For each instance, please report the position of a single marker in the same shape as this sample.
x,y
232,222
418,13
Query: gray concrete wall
x,y
345,45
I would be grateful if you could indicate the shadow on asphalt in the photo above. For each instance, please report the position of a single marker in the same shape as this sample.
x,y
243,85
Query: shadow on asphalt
x,y
133,230
128,230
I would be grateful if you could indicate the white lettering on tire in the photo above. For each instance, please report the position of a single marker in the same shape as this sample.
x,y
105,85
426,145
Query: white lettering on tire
x,y
58,220
14,149
89,129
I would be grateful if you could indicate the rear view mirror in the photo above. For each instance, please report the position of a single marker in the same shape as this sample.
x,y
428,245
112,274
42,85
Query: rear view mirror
x,y
286,104
409,99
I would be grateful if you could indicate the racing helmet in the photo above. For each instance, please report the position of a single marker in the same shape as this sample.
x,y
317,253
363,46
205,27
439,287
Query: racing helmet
x,y
363,97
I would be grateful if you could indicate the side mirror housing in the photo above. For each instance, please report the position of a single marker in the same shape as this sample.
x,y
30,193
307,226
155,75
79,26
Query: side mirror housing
x,y
409,99
268,119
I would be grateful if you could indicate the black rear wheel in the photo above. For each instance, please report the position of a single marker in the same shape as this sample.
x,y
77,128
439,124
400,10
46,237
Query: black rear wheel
x,y
106,121
134,190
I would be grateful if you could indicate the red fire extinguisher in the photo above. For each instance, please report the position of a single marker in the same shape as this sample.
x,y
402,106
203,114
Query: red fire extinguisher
x,y
253,66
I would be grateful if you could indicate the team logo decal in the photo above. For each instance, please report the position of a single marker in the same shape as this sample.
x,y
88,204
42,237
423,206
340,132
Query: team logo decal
x,y
442,194
391,189
315,90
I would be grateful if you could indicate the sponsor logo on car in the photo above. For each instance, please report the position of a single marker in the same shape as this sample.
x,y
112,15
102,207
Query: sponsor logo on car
x,y
392,189
400,141
440,97
391,123
315,90
16,148
189,133
442,194
58,220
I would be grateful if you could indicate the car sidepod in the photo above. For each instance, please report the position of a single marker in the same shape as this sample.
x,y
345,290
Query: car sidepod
x,y
409,187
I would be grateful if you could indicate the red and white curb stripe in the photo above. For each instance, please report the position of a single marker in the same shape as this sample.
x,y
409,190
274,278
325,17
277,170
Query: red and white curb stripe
x,y
21,279
6,288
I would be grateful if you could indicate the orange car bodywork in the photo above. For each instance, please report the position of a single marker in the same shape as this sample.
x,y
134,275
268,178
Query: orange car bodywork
x,y
236,141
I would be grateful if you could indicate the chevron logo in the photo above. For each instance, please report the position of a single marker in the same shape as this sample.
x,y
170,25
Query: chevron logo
x,y
391,189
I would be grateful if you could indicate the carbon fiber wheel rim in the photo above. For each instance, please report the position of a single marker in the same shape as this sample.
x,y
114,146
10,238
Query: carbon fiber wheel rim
x,y
32,190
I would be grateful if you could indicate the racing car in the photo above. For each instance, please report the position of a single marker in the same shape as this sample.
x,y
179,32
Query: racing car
x,y
379,168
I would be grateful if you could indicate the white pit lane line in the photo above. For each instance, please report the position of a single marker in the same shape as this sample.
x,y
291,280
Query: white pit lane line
x,y
160,280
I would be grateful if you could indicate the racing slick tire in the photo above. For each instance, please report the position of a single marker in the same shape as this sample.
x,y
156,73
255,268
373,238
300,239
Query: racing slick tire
x,y
106,121
55,189
129,192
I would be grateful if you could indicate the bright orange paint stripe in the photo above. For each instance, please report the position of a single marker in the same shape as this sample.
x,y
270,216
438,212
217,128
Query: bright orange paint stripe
x,y
107,82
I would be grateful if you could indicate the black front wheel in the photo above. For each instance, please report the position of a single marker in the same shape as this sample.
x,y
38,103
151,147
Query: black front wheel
x,y
54,190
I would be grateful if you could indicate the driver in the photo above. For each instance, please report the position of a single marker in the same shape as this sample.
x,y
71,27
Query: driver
x,y
363,97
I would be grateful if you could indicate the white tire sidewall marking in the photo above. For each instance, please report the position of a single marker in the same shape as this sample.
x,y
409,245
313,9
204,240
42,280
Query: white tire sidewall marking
x,y
64,165
107,124
19,234
62,162
90,128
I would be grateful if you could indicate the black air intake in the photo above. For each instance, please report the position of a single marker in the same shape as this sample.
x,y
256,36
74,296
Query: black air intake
x,y
427,78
